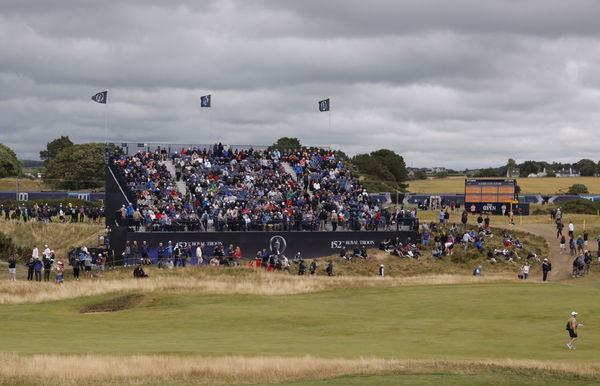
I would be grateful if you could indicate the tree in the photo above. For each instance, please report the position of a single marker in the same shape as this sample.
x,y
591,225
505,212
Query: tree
x,y
10,166
54,147
528,167
441,175
511,165
393,162
586,167
382,168
419,175
284,143
79,166
576,189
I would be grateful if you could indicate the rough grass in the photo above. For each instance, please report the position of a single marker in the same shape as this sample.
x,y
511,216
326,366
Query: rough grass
x,y
61,237
144,369
220,281
9,184
528,185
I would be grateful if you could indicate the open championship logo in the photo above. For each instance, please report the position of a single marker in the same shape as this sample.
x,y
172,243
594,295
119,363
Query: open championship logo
x,y
277,244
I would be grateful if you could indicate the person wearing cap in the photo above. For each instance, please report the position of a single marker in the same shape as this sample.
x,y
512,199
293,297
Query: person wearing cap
x,y
59,268
546,267
572,328
382,270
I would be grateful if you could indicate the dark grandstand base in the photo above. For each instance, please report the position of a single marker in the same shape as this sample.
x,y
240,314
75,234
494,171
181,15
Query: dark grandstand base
x,y
310,244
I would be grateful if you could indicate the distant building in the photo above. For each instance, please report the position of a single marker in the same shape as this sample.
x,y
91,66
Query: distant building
x,y
436,170
540,174
514,173
567,173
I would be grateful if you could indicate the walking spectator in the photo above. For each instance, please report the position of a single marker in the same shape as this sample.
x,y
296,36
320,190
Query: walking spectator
x,y
330,269
579,244
382,270
12,268
313,267
546,268
572,246
571,229
301,268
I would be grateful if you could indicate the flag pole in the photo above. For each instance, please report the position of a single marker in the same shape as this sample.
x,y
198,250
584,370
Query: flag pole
x,y
106,120
210,124
329,111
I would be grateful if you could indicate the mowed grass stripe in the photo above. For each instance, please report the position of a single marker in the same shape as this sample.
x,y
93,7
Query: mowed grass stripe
x,y
478,321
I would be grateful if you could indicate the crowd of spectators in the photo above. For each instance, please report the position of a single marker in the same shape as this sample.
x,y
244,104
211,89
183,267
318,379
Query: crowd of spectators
x,y
52,213
248,190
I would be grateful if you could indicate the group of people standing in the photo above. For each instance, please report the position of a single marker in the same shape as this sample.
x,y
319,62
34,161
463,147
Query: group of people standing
x,y
39,265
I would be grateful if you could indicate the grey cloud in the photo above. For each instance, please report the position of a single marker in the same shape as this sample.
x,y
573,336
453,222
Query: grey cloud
x,y
461,84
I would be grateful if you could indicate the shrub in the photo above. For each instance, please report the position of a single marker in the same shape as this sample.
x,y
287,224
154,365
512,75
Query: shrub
x,y
578,189
581,206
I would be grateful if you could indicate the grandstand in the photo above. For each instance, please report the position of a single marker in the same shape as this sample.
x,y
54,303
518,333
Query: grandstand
x,y
244,195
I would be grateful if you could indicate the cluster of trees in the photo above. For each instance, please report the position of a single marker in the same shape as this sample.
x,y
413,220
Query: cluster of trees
x,y
10,166
585,167
382,170
73,166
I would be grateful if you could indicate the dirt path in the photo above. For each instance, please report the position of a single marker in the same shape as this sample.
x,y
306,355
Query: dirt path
x,y
561,264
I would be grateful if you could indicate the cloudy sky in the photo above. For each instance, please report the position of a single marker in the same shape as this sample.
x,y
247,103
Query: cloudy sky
x,y
463,83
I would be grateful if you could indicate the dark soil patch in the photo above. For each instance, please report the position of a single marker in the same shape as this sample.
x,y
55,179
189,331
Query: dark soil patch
x,y
113,305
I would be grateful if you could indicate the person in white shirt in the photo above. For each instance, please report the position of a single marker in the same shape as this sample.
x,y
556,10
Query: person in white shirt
x,y
571,229
35,253
46,252
199,253
525,270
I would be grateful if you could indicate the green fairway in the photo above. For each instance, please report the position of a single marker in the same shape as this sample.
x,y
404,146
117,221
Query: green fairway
x,y
484,378
478,321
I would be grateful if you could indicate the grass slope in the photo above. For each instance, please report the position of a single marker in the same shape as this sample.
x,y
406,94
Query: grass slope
x,y
61,237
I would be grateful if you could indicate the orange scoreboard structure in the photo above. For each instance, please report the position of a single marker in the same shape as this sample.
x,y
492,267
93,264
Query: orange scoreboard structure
x,y
490,191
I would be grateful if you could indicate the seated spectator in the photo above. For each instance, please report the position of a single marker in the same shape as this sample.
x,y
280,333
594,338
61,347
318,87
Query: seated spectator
x,y
138,272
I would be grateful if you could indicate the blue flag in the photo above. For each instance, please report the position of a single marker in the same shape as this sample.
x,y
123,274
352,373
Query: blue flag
x,y
100,97
324,105
205,101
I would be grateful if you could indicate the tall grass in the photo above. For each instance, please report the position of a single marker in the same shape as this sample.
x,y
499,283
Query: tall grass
x,y
161,369
61,237
195,279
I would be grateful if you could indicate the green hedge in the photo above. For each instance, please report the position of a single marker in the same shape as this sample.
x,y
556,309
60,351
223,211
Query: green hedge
x,y
580,205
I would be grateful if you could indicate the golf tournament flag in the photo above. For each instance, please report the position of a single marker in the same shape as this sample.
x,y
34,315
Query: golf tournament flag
x,y
324,105
100,97
205,101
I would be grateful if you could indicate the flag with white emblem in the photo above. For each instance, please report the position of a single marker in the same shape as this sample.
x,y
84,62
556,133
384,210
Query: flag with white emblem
x,y
100,97
205,101
324,105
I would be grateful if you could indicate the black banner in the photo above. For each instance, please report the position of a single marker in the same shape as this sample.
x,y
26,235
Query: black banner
x,y
503,208
309,244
